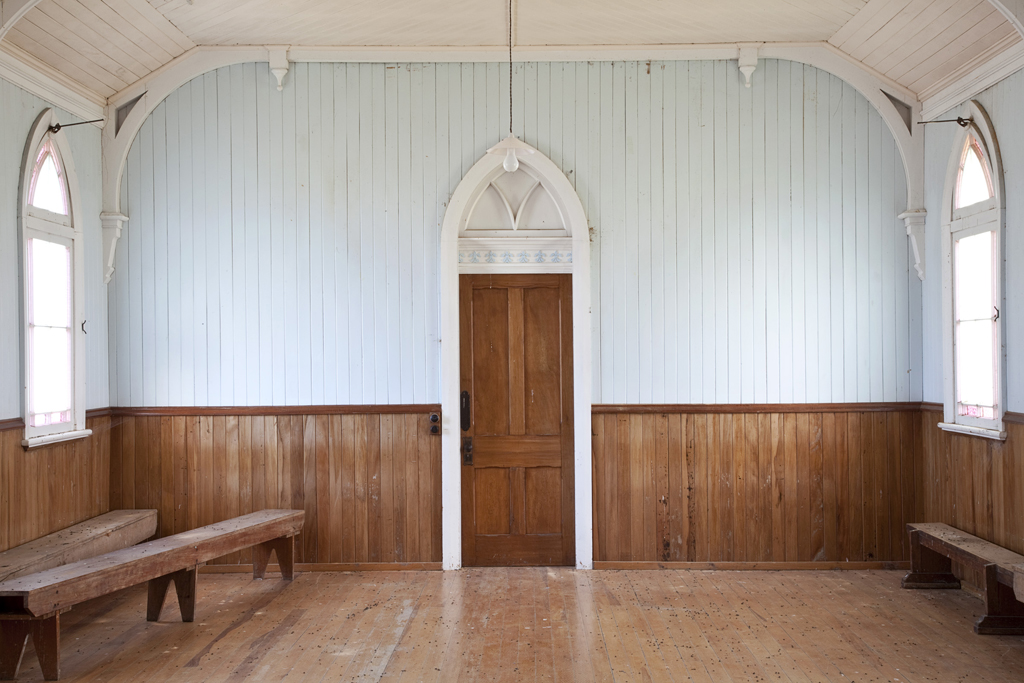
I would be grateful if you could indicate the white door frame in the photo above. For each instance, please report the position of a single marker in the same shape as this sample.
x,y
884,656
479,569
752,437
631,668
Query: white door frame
x,y
461,205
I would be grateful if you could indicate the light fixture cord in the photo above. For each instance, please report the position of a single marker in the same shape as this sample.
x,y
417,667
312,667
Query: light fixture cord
x,y
510,67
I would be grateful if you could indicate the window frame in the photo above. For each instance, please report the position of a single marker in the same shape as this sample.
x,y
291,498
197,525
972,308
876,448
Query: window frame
x,y
37,223
980,217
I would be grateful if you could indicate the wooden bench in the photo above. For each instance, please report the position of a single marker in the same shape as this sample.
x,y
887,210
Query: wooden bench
x,y
934,548
103,534
32,605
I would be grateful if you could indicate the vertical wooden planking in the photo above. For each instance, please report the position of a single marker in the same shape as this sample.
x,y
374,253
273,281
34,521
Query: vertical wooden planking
x,y
737,464
787,197
344,427
842,486
329,432
798,173
677,482
600,489
772,274
856,479
374,515
648,451
870,473
778,491
752,517
815,485
310,491
635,471
623,477
360,521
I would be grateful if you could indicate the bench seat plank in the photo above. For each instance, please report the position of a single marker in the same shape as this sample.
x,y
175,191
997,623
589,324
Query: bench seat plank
x,y
965,548
935,547
60,588
103,534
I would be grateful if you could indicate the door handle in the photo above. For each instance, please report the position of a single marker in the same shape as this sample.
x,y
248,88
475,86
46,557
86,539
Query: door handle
x,y
464,406
467,450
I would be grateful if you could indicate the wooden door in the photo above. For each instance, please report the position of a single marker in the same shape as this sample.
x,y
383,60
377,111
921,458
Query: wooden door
x,y
517,488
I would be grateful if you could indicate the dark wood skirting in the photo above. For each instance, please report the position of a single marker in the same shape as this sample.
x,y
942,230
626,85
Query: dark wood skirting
x,y
752,566
330,567
757,408
271,411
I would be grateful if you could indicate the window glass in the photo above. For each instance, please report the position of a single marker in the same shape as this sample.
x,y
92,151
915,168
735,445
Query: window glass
x,y
50,332
973,184
975,325
48,190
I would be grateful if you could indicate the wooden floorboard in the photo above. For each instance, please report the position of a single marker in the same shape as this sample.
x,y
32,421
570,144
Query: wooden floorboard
x,y
540,624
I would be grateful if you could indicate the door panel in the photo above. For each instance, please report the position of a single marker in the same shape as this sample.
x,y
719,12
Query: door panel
x,y
543,500
492,501
490,361
542,361
516,357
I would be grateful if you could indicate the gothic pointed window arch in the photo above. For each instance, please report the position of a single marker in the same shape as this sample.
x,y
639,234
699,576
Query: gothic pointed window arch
x,y
972,237
53,289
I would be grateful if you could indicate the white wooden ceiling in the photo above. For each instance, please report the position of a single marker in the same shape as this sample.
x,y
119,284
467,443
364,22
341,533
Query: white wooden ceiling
x,y
106,45
919,43
483,22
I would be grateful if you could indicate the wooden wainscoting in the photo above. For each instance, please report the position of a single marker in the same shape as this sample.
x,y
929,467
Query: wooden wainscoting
x,y
52,487
830,484
369,478
974,484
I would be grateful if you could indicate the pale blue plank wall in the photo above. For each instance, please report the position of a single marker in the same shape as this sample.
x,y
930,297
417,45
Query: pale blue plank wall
x,y
282,247
18,111
1003,102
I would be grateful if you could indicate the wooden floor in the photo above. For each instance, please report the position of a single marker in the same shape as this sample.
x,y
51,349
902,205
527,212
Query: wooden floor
x,y
542,624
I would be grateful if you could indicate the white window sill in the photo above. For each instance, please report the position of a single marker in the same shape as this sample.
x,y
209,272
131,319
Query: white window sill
x,y
37,441
973,431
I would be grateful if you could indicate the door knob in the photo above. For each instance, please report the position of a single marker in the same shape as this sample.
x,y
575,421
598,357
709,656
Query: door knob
x,y
467,450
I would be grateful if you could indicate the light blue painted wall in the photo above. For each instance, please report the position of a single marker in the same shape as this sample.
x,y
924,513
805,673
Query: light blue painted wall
x,y
1004,103
18,111
282,247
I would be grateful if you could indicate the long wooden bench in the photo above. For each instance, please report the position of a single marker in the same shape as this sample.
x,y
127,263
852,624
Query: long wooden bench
x,y
96,536
934,548
32,605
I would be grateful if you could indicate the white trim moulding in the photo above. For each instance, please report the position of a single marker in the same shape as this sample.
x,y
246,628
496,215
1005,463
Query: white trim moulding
x,y
972,431
28,73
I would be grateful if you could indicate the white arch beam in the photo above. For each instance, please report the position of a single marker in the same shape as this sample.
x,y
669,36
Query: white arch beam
x,y
1013,10
11,11
873,86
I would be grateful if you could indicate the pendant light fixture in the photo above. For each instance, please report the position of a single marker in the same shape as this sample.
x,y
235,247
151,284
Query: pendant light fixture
x,y
511,146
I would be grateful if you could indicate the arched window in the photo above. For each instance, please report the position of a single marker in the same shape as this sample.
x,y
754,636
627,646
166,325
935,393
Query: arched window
x,y
973,282
53,290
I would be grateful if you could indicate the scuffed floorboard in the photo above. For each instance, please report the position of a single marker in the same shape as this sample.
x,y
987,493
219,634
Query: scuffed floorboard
x,y
539,625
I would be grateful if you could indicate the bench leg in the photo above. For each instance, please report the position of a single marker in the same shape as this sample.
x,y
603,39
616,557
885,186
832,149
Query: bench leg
x,y
184,586
13,638
1004,615
284,548
46,638
928,569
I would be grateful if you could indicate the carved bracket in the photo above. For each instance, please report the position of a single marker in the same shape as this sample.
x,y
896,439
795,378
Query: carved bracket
x,y
748,55
914,220
112,225
279,64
